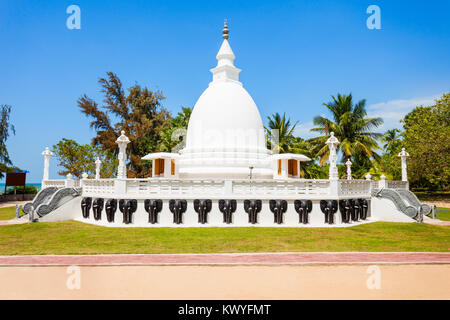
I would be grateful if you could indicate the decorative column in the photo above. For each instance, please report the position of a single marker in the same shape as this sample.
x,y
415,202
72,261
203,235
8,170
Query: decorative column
x,y
122,141
349,169
98,163
47,154
382,182
332,143
69,182
403,155
368,176
120,184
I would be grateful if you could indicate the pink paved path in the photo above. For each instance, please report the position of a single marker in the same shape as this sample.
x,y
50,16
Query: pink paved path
x,y
227,259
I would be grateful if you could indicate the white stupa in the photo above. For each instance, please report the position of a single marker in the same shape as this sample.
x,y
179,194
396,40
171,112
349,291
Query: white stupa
x,y
225,135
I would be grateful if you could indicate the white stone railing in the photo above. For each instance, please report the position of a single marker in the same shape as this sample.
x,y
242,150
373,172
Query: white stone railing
x,y
53,183
354,187
281,188
396,184
169,188
100,186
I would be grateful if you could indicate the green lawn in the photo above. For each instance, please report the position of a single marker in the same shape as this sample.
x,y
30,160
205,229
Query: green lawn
x,y
74,237
443,214
7,213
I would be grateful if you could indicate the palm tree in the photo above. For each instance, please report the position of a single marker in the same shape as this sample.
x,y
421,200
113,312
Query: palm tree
x,y
280,129
391,139
350,125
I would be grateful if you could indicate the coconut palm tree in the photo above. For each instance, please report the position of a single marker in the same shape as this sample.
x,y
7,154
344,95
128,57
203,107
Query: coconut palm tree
x,y
280,131
391,139
350,125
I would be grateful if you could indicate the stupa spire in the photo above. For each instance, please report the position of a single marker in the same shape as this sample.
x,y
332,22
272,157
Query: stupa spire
x,y
225,69
225,30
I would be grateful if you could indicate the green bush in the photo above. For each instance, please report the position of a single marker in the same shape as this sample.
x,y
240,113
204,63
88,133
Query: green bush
x,y
20,190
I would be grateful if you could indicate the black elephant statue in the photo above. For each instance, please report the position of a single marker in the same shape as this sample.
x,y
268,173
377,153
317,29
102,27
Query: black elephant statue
x,y
127,207
202,207
364,205
110,209
86,207
97,208
329,208
178,207
303,208
252,207
153,207
356,209
278,208
346,209
227,207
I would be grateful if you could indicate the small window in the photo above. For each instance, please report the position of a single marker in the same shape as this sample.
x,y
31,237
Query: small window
x,y
292,167
159,166
279,167
172,167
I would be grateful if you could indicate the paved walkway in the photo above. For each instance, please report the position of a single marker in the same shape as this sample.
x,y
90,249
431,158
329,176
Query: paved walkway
x,y
230,259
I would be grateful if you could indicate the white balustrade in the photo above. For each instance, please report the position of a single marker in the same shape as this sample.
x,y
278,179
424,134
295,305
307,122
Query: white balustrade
x,y
395,184
53,183
354,187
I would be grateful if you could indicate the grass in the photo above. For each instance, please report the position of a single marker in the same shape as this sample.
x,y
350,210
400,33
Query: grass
x,y
7,213
74,237
443,214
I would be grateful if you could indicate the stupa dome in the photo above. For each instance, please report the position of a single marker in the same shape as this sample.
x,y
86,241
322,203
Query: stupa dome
x,y
225,135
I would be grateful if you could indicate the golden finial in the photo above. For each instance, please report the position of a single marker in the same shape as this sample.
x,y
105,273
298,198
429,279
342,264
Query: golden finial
x,y
225,30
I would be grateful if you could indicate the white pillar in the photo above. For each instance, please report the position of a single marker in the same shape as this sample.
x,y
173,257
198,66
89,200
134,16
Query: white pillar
x,y
368,176
47,154
98,163
349,169
122,141
332,143
403,155
382,182
69,182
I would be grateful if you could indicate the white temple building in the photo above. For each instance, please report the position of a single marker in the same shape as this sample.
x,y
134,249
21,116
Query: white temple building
x,y
225,176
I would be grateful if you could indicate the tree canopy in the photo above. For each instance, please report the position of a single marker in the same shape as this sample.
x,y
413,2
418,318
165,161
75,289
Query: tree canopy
x,y
426,137
351,127
6,128
139,113
77,158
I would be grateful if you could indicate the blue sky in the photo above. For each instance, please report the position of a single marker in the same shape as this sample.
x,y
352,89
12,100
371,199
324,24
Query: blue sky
x,y
294,55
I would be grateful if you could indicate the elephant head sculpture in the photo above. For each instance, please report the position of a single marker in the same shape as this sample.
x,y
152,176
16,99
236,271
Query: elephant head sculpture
x,y
356,209
278,208
110,208
303,208
128,207
252,207
202,207
227,207
97,208
364,208
346,209
153,207
86,206
178,207
329,208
